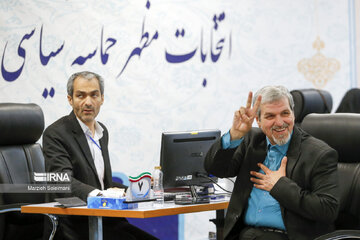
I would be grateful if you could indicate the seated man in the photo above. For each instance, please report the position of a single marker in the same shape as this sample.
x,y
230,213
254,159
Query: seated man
x,y
78,144
286,186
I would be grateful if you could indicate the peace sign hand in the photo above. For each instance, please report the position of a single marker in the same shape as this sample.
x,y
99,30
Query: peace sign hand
x,y
244,118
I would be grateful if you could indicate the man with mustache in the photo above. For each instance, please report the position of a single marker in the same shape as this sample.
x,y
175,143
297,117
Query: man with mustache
x,y
78,144
286,185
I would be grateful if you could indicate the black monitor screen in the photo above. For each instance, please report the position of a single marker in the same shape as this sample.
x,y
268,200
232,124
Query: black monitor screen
x,y
182,157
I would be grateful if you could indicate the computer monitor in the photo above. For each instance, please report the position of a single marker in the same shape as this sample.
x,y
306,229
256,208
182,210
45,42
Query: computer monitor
x,y
182,157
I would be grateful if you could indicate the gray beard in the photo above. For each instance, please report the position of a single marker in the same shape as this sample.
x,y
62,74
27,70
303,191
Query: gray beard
x,y
281,141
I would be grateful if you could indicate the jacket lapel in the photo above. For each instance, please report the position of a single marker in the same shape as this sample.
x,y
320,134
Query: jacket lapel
x,y
258,155
293,155
293,152
107,166
81,140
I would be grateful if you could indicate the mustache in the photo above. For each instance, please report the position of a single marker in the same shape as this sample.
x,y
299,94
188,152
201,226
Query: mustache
x,y
285,125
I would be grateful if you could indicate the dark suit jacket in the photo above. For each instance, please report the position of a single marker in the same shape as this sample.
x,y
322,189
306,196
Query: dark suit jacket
x,y
308,195
66,150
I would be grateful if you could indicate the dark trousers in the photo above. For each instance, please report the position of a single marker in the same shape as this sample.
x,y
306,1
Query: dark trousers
x,y
252,233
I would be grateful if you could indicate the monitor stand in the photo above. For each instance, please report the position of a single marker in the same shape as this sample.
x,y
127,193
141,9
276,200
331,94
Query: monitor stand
x,y
193,191
196,198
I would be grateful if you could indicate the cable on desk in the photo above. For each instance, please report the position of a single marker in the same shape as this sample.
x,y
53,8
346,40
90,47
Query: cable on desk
x,y
230,180
204,176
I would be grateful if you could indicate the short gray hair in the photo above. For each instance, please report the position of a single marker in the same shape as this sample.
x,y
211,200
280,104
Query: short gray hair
x,y
87,75
273,93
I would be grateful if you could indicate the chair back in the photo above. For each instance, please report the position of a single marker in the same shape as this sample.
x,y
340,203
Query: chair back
x,y
350,103
310,101
20,156
342,132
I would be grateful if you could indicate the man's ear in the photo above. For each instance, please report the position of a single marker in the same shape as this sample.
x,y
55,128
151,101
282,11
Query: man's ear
x,y
102,99
70,100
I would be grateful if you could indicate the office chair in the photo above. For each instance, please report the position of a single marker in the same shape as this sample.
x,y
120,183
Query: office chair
x,y
20,156
350,103
342,132
310,101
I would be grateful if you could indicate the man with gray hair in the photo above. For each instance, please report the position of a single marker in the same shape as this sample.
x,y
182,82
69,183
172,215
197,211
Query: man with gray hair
x,y
286,185
78,144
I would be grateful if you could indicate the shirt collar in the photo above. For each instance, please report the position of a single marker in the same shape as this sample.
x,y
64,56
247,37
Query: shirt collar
x,y
283,149
98,129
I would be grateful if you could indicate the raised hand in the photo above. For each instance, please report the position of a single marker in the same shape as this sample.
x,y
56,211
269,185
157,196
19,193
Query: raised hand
x,y
244,118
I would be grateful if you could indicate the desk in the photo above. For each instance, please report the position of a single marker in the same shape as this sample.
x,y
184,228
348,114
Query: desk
x,y
95,215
